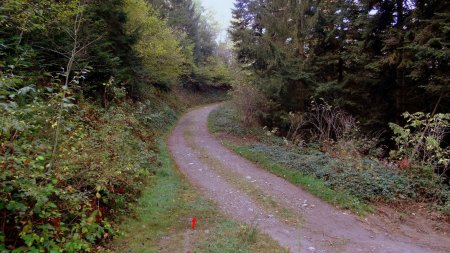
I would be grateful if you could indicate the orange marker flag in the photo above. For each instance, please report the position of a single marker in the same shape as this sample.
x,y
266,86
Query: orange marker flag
x,y
194,220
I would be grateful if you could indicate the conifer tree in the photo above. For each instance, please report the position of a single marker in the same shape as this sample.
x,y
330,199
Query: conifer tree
x,y
390,56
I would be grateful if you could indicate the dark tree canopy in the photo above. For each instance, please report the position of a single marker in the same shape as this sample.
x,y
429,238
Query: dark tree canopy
x,y
389,56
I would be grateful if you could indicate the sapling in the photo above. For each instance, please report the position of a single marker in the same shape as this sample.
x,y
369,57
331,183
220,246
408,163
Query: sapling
x,y
77,47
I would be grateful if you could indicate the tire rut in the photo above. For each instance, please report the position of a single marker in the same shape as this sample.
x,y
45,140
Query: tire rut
x,y
245,185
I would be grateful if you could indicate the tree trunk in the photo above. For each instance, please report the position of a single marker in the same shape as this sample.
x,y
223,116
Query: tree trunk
x,y
400,75
341,70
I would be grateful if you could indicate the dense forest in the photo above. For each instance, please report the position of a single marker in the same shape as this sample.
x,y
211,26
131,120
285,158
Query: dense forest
x,y
374,59
375,71
89,90
85,93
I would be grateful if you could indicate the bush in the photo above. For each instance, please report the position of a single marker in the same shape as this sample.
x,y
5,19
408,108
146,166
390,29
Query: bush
x,y
364,177
250,104
213,73
330,123
336,131
367,179
156,117
226,120
102,160
420,141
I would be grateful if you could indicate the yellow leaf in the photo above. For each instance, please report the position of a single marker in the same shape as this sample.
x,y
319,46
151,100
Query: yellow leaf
x,y
27,228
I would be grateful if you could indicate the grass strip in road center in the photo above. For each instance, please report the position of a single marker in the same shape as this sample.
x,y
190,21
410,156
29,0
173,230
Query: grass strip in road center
x,y
287,215
161,221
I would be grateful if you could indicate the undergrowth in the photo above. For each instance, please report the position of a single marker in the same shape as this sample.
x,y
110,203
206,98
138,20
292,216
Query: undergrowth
x,y
347,183
314,185
225,119
189,98
102,161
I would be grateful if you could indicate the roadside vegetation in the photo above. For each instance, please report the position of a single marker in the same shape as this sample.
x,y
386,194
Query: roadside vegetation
x,y
87,90
162,221
352,93
349,181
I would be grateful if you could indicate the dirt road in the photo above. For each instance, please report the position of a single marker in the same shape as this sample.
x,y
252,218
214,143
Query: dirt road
x,y
291,216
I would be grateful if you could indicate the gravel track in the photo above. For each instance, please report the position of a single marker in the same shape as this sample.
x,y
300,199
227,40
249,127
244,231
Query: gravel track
x,y
323,229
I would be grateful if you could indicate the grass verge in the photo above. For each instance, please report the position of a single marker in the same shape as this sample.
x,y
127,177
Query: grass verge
x,y
225,120
237,180
312,184
161,221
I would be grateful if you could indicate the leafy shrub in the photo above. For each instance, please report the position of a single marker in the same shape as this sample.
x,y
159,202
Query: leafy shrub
x,y
368,180
156,117
225,119
67,166
213,73
362,176
156,44
188,98
420,140
102,160
446,208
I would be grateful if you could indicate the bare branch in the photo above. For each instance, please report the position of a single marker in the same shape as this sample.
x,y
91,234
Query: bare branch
x,y
53,50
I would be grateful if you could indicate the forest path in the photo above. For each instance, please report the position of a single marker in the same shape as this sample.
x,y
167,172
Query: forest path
x,y
290,215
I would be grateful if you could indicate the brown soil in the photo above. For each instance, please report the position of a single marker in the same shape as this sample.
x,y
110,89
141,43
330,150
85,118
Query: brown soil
x,y
323,228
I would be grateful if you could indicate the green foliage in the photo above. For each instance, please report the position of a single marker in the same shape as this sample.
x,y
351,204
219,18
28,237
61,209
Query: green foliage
x,y
251,105
103,159
40,51
348,182
156,44
34,16
392,56
156,207
421,139
430,42
156,117
69,167
213,73
226,120
374,60
317,186
169,199
204,65
368,181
